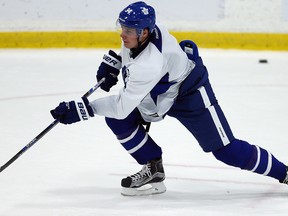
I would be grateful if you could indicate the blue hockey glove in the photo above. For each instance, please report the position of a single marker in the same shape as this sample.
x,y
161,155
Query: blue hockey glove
x,y
109,68
190,48
73,111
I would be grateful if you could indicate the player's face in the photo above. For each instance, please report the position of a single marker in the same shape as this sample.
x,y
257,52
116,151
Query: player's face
x,y
129,37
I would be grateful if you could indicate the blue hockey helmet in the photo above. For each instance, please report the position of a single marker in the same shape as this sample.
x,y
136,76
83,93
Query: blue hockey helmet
x,y
138,15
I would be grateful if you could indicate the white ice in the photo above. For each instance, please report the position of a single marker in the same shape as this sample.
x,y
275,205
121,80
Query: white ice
x,y
76,170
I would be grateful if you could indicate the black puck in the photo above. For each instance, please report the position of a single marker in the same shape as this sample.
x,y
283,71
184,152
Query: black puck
x,y
263,61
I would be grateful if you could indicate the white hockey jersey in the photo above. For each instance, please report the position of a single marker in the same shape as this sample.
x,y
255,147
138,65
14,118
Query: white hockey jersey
x,y
151,79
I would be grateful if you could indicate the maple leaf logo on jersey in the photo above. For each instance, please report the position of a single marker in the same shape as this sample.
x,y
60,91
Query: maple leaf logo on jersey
x,y
125,75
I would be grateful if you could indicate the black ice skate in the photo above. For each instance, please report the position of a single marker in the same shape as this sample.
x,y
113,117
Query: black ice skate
x,y
285,181
149,180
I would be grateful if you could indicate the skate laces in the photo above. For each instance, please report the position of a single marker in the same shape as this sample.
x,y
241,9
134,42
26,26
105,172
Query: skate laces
x,y
144,172
285,181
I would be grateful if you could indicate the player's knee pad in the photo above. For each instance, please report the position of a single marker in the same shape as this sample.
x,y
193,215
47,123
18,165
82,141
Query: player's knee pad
x,y
121,126
238,154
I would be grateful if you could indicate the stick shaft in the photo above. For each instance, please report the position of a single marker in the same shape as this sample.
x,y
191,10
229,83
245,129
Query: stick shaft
x,y
30,144
45,131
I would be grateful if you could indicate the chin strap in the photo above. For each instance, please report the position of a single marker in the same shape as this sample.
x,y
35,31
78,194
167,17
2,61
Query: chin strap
x,y
135,51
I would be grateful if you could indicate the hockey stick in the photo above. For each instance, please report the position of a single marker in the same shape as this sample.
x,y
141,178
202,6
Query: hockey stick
x,y
45,131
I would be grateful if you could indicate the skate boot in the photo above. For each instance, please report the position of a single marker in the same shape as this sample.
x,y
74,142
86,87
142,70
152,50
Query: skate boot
x,y
149,180
285,181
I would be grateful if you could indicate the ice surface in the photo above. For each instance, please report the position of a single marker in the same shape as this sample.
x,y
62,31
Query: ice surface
x,y
76,170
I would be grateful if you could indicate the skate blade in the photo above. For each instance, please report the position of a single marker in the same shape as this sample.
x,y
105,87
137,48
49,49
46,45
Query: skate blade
x,y
148,189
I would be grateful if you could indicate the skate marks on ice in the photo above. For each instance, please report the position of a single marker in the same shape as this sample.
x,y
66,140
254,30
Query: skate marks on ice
x,y
182,196
240,188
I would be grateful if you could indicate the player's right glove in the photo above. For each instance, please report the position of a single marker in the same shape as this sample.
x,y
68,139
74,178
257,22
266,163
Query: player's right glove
x,y
73,111
110,69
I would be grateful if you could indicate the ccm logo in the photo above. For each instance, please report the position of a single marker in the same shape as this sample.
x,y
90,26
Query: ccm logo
x,y
109,60
82,111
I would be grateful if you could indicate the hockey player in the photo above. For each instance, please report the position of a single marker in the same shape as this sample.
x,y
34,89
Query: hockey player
x,y
162,78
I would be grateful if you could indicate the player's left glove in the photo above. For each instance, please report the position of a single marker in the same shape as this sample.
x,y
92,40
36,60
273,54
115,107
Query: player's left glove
x,y
190,48
110,69
73,111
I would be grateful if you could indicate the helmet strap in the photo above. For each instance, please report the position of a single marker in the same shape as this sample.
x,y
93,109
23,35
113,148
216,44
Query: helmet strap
x,y
141,45
140,36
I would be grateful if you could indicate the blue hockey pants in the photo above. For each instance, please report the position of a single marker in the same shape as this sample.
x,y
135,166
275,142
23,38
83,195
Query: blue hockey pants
x,y
198,110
